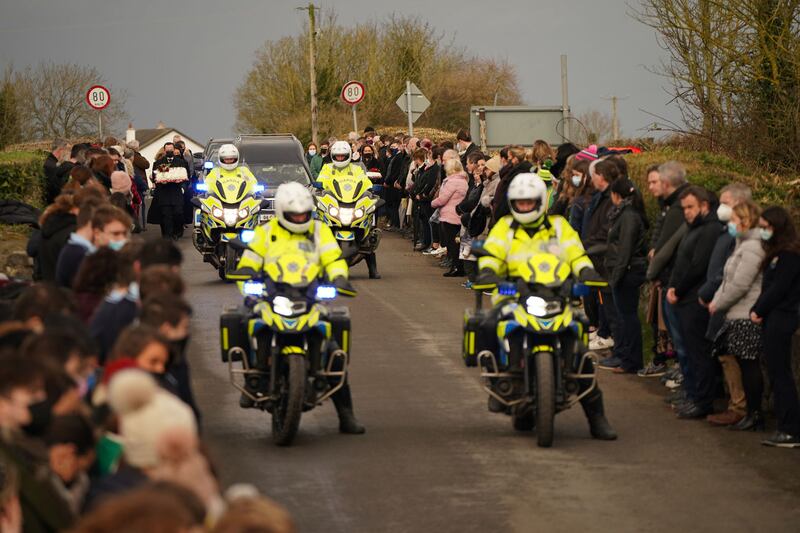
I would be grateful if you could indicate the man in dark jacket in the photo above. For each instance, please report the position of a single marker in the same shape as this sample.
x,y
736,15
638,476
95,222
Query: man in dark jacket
x,y
168,194
688,275
140,167
53,171
465,146
669,229
517,164
423,194
395,175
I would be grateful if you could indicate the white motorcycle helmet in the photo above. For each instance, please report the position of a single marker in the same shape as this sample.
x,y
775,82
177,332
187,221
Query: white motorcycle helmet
x,y
527,198
294,207
341,153
228,157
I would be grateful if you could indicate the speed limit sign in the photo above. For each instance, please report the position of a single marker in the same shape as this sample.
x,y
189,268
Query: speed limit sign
x,y
353,92
98,97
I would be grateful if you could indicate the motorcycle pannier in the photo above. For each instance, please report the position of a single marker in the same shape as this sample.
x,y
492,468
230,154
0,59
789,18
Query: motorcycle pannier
x,y
477,338
339,318
233,333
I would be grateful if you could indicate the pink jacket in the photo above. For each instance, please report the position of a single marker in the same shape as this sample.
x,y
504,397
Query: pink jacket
x,y
454,189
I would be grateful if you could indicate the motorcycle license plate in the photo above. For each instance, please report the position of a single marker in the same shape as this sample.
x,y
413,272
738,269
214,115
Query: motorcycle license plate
x,y
265,218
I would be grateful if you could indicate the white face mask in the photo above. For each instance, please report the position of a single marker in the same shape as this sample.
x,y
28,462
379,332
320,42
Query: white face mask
x,y
312,152
724,212
576,181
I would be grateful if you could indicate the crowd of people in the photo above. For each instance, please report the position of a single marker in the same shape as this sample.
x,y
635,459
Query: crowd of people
x,y
99,429
720,274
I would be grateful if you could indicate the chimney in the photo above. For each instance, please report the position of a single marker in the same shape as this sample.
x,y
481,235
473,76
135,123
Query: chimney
x,y
130,135
161,125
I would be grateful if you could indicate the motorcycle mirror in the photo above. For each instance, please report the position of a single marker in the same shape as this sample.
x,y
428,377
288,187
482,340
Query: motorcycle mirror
x,y
381,203
241,274
195,201
238,244
477,248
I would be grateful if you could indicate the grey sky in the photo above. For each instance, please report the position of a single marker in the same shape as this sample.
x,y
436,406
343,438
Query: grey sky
x,y
180,61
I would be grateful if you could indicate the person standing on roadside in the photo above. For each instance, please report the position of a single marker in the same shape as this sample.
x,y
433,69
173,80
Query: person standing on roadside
x,y
777,310
54,173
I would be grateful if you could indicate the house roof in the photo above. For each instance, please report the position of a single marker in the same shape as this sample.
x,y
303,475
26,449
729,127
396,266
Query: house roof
x,y
148,136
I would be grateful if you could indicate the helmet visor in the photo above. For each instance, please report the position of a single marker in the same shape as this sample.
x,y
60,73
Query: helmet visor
x,y
230,160
298,218
341,157
526,205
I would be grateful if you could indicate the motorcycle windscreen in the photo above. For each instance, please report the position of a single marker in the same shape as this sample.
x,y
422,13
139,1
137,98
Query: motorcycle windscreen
x,y
294,262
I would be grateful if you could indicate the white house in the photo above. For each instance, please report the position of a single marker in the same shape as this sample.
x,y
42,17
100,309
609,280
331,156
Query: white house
x,y
152,140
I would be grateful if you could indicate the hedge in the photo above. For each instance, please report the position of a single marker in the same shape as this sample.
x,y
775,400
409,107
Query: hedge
x,y
22,177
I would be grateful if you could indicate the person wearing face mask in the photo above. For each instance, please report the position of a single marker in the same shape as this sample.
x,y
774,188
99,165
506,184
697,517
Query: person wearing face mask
x,y
583,191
777,311
730,196
170,173
738,338
44,507
688,275
110,227
318,159
311,151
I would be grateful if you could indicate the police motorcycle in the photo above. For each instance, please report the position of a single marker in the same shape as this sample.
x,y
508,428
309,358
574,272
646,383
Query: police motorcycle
x,y
225,207
290,344
349,207
531,347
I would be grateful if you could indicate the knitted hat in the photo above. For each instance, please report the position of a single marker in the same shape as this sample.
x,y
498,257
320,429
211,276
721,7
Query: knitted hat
x,y
587,154
120,182
146,413
493,164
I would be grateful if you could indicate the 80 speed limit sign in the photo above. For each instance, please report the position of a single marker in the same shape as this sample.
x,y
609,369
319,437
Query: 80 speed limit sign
x,y
98,97
353,92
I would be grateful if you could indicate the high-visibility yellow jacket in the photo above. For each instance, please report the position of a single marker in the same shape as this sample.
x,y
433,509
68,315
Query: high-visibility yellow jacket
x,y
347,183
317,242
231,181
511,246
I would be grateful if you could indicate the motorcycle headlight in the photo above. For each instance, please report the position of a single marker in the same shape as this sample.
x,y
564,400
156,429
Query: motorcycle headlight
x,y
253,288
285,307
539,307
358,213
346,216
217,212
333,211
243,213
230,216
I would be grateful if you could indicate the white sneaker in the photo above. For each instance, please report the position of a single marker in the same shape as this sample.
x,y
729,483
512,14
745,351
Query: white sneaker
x,y
600,344
592,335
440,251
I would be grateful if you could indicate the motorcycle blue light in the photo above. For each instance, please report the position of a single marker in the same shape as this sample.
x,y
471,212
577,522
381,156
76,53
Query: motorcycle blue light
x,y
507,289
326,292
579,290
208,165
259,188
253,288
201,187
247,235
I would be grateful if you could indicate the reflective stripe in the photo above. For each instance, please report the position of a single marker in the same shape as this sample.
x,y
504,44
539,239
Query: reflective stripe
x,y
328,248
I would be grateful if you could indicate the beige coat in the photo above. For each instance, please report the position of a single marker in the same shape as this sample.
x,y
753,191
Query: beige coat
x,y
741,282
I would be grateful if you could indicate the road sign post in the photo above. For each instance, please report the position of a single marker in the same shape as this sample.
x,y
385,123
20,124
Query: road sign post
x,y
98,98
352,93
413,103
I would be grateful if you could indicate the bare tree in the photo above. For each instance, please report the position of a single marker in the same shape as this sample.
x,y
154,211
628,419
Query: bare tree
x,y
593,127
382,55
55,101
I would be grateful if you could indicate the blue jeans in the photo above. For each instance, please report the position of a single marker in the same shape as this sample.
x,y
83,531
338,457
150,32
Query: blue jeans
x,y
628,345
675,332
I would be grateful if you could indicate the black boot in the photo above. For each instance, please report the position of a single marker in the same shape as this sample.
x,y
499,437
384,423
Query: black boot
x,y
752,422
372,266
344,408
595,414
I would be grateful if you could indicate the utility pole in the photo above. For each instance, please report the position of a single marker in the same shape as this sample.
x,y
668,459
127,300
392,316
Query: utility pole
x,y
614,115
565,114
312,67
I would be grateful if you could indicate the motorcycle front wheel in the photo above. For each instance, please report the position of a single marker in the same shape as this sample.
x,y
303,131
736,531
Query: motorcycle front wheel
x,y
291,390
545,399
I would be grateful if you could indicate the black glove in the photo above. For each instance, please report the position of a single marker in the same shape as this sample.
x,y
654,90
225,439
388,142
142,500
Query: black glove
x,y
589,276
486,279
344,287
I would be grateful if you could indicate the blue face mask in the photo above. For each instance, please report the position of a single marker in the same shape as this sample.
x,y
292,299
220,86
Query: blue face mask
x,y
732,230
766,234
117,245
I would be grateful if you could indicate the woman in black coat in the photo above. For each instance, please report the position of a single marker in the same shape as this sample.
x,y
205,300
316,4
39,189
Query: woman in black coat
x,y
777,309
57,224
626,263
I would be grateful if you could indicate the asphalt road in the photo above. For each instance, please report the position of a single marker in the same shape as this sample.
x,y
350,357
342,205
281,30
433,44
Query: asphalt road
x,y
433,457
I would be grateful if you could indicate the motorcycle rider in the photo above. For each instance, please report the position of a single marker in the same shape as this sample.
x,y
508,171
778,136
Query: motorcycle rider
x,y
341,166
294,223
511,243
228,167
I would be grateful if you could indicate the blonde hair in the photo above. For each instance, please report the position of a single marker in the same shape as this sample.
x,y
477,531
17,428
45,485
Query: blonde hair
x,y
453,166
748,212
541,152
